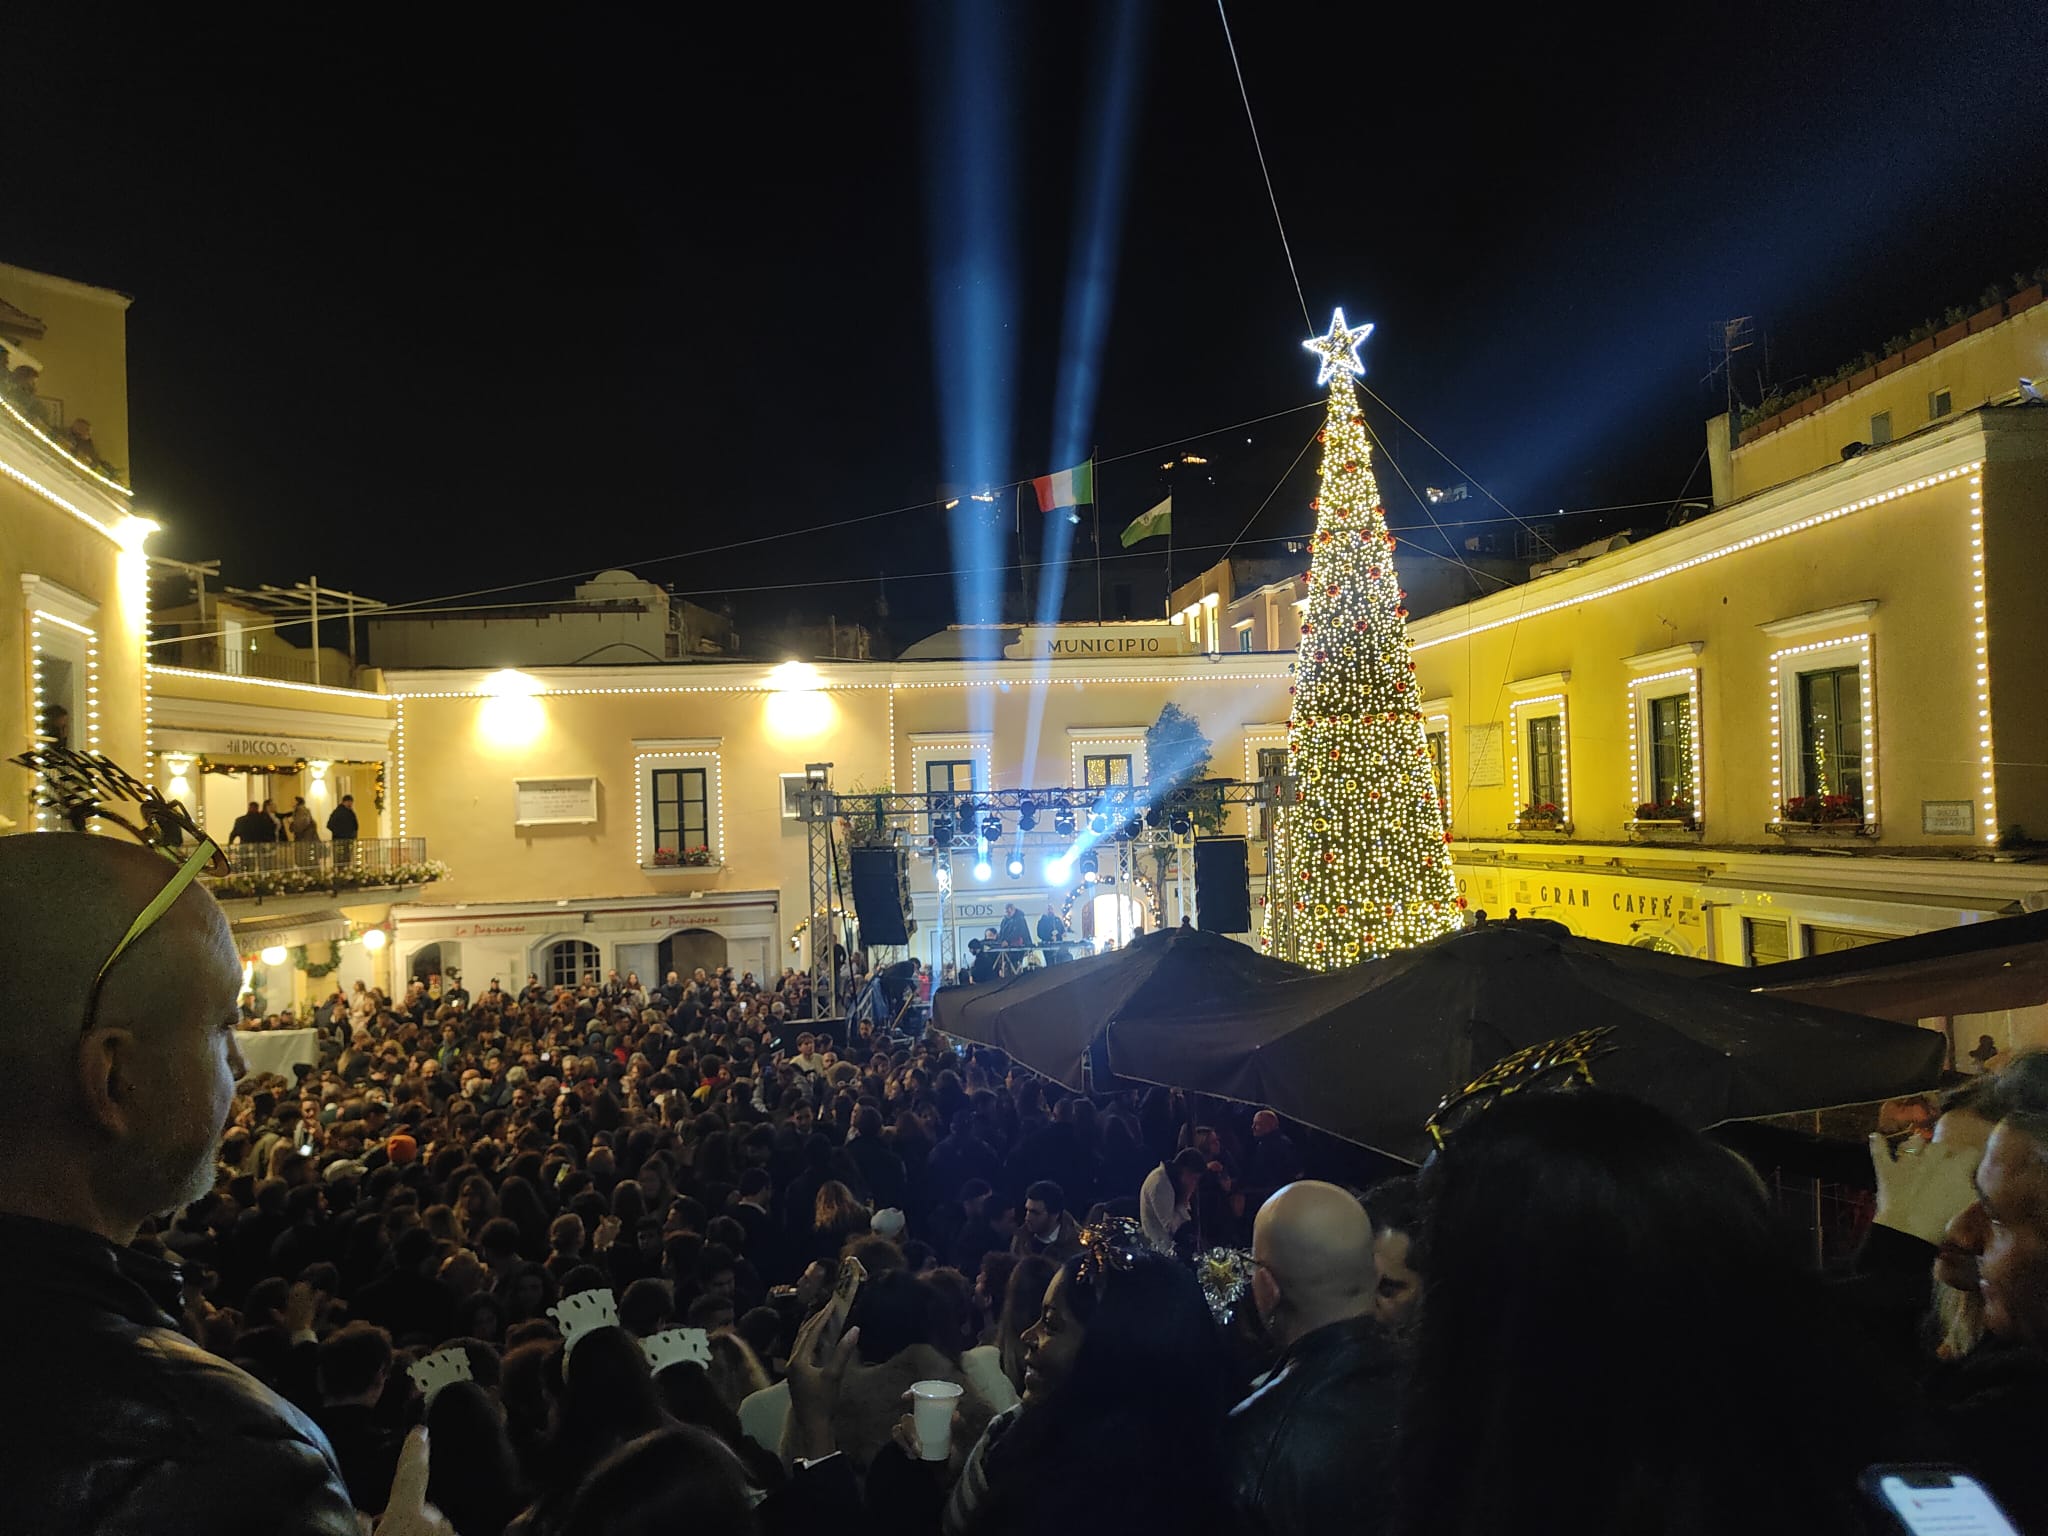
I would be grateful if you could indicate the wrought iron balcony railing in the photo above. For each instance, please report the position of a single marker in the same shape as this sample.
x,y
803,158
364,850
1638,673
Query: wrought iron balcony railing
x,y
292,869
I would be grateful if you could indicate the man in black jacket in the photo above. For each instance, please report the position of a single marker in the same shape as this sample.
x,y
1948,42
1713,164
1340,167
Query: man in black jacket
x,y
253,827
122,1073
342,827
1312,1447
881,1171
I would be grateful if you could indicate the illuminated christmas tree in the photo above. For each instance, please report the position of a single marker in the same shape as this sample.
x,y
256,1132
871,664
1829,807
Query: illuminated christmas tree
x,y
1358,859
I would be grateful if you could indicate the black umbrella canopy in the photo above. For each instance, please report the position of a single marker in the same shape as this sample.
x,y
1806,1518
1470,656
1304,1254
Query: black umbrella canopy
x,y
1048,1018
1367,1053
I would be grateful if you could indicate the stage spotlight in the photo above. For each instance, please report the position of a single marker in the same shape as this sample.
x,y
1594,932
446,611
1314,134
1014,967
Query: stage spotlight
x,y
1063,821
1097,824
1027,817
1016,866
1130,830
992,827
1088,867
1155,818
1179,824
982,870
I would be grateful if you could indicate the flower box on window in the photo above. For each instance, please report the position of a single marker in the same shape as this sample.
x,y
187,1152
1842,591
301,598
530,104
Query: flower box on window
x,y
1820,813
698,857
1678,815
1541,816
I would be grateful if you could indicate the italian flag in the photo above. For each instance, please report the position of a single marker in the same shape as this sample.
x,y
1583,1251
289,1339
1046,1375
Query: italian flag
x,y
1069,488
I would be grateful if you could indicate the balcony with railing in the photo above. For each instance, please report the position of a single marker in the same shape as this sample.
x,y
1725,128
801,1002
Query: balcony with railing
x,y
278,663
318,868
211,654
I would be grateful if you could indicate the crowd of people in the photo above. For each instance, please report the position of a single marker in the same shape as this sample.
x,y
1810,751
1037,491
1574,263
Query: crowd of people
x,y
671,1258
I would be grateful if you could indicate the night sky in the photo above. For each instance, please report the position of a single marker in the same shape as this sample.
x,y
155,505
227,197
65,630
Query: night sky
x,y
430,313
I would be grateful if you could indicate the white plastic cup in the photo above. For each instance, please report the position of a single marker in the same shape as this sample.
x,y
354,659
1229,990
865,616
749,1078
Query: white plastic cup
x,y
931,1413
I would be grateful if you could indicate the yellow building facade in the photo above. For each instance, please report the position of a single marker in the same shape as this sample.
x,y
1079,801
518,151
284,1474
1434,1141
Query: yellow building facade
x,y
1975,362
1808,721
564,799
73,589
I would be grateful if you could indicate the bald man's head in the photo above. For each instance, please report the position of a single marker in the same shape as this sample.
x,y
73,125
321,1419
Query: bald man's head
x,y
1312,1244
137,1095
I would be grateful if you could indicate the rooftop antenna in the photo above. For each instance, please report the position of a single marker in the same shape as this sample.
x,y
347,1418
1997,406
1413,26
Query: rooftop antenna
x,y
1726,339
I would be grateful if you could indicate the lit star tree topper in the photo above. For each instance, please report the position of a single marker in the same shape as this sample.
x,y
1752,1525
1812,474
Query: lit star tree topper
x,y
1360,863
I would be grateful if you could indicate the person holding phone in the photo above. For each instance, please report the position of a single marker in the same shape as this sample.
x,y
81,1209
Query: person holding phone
x,y
1994,1401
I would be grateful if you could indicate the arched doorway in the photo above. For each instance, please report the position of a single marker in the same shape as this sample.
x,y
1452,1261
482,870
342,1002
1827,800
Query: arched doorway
x,y
431,958
1113,917
563,963
688,948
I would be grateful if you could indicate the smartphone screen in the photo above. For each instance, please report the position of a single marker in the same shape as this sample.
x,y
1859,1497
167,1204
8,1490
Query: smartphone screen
x,y
1939,1501
851,1273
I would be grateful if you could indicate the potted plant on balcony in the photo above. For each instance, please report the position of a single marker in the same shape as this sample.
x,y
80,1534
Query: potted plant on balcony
x,y
1540,816
1666,813
665,858
1840,811
1990,309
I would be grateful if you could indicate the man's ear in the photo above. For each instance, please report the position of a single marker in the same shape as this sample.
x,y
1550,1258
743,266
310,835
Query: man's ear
x,y
107,1081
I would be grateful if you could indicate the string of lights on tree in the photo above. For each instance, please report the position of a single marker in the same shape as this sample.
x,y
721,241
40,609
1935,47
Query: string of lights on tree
x,y
1359,858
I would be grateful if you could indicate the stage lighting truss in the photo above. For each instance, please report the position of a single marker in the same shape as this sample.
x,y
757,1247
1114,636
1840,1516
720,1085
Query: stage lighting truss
x,y
941,821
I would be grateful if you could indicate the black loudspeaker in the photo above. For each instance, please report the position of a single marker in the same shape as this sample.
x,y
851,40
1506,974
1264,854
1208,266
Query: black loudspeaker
x,y
1223,885
878,897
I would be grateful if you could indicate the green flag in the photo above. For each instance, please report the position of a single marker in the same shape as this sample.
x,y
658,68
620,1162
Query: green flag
x,y
1154,523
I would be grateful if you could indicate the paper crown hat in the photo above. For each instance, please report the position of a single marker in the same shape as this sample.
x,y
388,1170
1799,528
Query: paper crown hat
x,y
443,1368
578,1314
673,1346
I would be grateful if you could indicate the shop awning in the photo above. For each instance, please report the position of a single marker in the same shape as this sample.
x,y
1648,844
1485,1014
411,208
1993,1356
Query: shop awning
x,y
302,928
1975,968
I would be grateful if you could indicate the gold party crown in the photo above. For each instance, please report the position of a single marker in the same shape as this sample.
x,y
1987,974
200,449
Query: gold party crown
x,y
1573,1054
